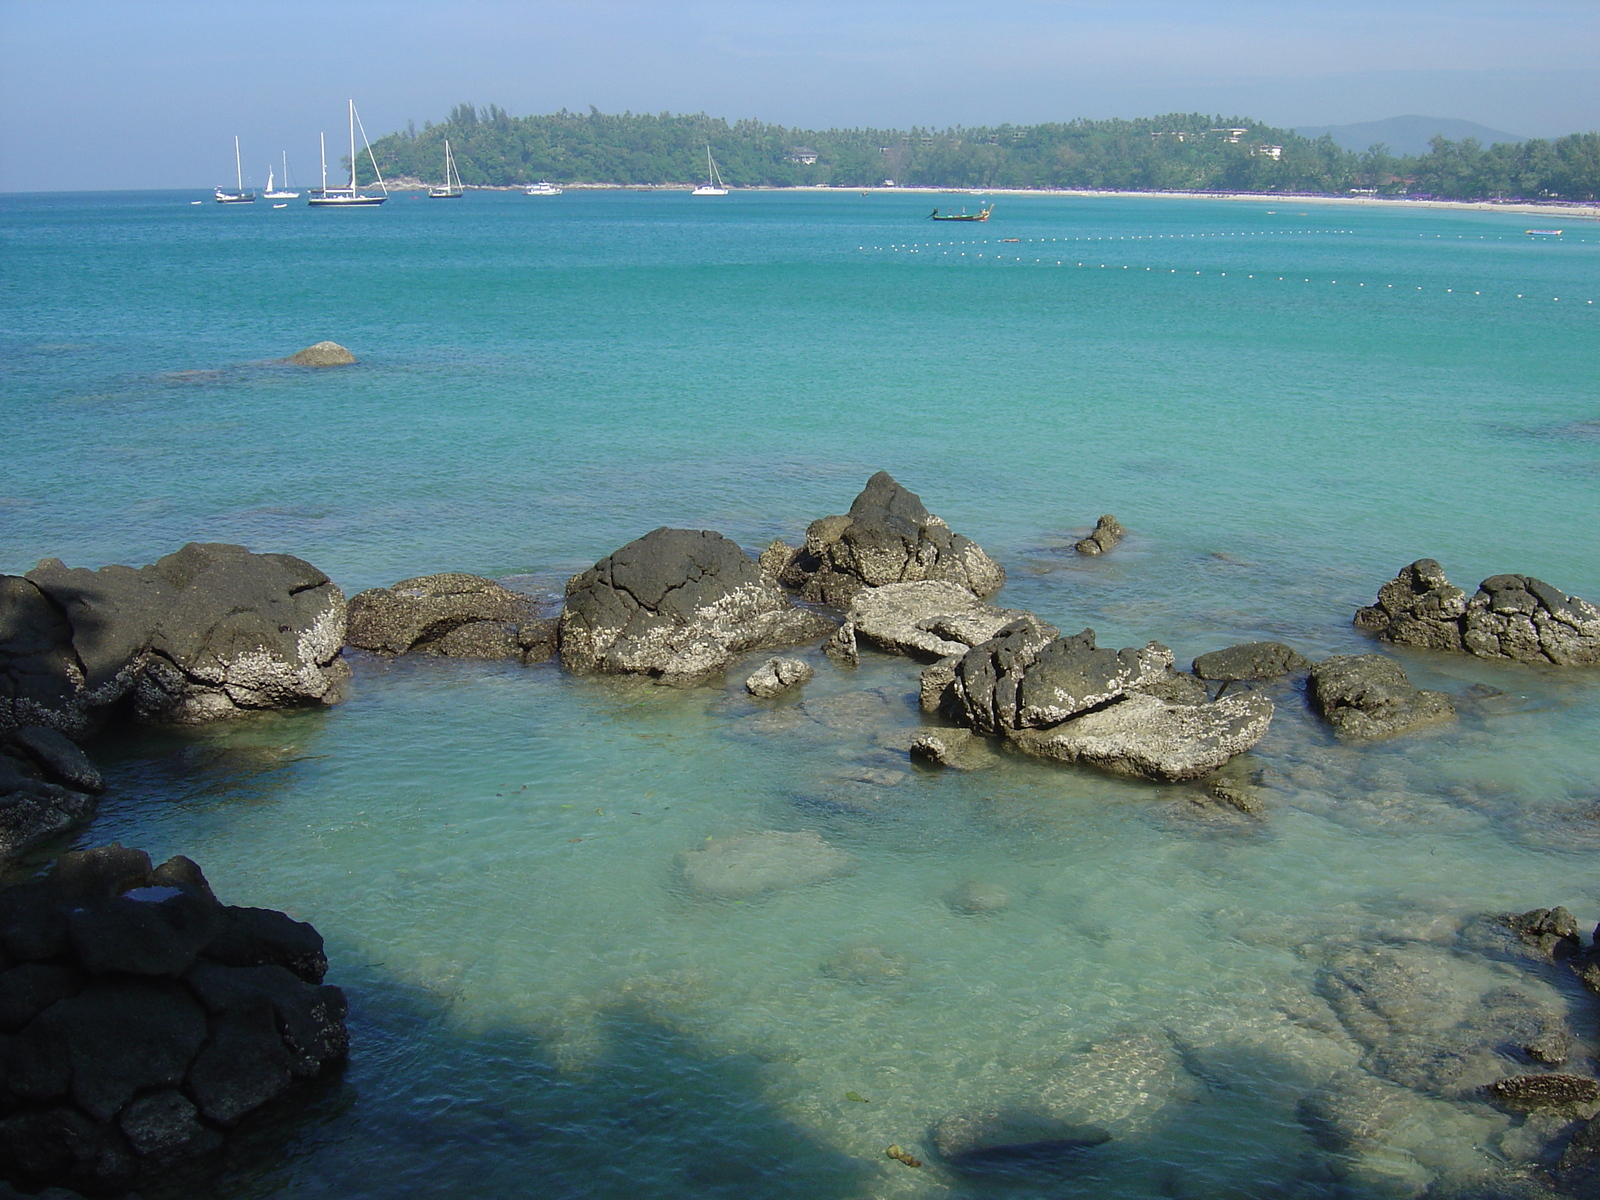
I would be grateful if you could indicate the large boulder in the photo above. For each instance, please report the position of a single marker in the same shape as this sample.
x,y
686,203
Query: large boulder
x,y
887,537
676,604
1066,698
1511,616
928,618
143,1019
207,632
454,615
1366,697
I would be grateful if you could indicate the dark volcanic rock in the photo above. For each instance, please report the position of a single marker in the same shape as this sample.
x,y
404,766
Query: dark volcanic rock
x,y
1107,533
888,537
1366,697
207,632
33,810
455,615
1006,1142
676,604
1511,616
1253,660
145,1017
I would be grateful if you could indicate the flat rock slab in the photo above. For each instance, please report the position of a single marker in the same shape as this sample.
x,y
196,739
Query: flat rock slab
x,y
746,865
1252,660
929,617
1367,697
1153,739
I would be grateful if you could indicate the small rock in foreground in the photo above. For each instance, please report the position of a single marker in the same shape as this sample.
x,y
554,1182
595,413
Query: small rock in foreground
x,y
1107,533
778,675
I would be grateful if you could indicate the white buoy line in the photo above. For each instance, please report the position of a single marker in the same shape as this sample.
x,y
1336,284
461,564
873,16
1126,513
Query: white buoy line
x,y
1264,275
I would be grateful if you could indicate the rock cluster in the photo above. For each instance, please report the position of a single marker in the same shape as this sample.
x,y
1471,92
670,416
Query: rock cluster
x,y
454,615
676,604
1107,533
1366,697
209,631
1068,699
141,1019
887,537
1511,616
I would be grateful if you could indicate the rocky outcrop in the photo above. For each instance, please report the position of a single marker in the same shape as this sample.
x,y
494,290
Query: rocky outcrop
x,y
887,537
1014,1141
676,604
143,1019
778,675
1512,616
1065,698
208,632
747,865
454,615
1107,533
35,803
928,618
323,354
1252,660
1367,697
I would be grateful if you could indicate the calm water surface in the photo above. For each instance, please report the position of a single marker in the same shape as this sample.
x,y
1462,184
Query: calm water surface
x,y
1283,404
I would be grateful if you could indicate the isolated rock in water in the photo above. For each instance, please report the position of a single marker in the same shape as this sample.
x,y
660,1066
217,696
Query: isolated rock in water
x,y
1252,660
138,1036
1151,738
1107,533
1366,697
455,615
778,675
888,537
33,809
735,868
929,617
1009,1141
1511,616
323,354
676,604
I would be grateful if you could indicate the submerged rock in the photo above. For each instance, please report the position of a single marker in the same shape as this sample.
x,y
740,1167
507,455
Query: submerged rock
x,y
322,354
1512,616
1014,1141
453,614
975,897
147,1019
676,604
778,675
958,748
887,537
1526,1093
1107,533
746,865
1366,697
208,632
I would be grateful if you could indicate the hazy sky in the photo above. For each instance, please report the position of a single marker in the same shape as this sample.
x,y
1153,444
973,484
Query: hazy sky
x,y
149,93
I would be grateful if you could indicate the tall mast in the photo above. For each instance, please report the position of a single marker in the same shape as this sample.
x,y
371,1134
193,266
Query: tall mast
x,y
285,168
352,148
238,170
322,140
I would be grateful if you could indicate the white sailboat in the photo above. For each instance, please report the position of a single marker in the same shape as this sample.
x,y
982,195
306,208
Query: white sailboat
x,y
452,189
238,195
352,196
274,194
713,185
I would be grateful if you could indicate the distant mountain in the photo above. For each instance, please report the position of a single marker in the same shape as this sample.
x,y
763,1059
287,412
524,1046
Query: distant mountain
x,y
1406,135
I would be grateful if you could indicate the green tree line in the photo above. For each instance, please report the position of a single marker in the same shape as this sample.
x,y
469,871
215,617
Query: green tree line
x,y
1180,151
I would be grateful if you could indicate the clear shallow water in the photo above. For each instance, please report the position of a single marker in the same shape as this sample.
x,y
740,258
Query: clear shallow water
x,y
544,380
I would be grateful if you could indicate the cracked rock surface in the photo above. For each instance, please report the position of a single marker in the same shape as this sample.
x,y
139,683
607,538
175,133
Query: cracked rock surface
x,y
141,1019
205,633
1511,616
887,537
455,615
1366,697
677,604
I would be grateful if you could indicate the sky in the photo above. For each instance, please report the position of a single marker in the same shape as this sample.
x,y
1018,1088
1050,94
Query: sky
x,y
113,94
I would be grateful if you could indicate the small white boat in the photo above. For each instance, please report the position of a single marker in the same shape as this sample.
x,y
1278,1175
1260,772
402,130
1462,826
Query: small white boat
x,y
238,195
1543,232
541,188
352,196
452,189
280,205
273,193
713,185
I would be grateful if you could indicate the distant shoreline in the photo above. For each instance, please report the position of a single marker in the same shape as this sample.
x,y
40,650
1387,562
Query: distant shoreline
x,y
1520,207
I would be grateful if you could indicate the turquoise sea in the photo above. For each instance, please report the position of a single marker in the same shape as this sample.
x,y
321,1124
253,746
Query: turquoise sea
x,y
1284,403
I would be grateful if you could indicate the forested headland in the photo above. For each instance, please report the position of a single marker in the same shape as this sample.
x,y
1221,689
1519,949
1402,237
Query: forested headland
x,y
1176,152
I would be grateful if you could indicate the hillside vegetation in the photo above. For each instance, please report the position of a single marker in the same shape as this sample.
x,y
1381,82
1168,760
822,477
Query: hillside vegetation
x,y
1188,151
